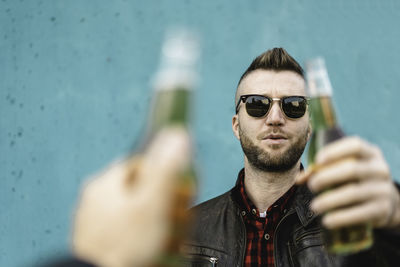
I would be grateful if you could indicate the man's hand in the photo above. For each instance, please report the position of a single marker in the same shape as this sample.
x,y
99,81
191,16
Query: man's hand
x,y
123,216
354,185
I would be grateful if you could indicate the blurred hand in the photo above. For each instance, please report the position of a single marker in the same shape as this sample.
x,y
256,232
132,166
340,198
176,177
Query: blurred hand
x,y
123,215
359,183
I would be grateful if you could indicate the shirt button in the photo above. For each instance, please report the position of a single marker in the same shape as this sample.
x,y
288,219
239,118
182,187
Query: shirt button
x,y
243,213
266,236
310,214
254,211
285,210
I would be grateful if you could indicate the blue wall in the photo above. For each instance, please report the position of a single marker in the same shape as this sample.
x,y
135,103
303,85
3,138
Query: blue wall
x,y
74,91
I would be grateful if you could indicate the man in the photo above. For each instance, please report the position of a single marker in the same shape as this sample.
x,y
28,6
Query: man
x,y
268,220
123,216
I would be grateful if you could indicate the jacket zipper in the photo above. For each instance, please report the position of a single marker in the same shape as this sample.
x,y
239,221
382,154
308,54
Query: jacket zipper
x,y
212,260
276,230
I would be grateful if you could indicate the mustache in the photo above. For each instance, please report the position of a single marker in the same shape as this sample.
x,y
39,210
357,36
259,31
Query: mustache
x,y
272,133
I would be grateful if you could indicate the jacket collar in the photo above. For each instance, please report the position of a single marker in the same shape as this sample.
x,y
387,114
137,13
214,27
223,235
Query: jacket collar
x,y
301,204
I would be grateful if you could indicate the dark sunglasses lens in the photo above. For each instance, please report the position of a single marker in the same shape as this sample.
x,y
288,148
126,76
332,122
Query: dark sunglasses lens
x,y
257,106
294,106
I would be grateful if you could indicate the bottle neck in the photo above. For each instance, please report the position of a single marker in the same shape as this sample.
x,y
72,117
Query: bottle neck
x,y
322,113
170,107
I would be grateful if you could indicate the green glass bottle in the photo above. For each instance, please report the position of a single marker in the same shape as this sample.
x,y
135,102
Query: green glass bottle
x,y
326,129
174,83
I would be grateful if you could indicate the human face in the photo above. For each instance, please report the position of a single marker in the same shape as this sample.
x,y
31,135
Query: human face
x,y
273,142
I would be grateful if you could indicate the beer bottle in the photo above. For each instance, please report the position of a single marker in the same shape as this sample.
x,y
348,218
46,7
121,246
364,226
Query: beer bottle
x,y
173,85
326,129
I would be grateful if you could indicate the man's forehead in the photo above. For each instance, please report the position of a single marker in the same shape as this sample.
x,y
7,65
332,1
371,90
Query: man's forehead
x,y
273,83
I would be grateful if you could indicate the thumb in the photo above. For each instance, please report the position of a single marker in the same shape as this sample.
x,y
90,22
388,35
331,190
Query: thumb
x,y
167,155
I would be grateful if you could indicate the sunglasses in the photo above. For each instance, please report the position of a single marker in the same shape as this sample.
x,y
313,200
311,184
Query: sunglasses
x,y
257,106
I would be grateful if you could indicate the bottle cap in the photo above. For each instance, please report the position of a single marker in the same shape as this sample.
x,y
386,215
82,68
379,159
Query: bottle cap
x,y
179,60
318,83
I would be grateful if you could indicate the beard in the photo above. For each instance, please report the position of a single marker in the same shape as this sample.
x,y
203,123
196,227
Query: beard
x,y
265,161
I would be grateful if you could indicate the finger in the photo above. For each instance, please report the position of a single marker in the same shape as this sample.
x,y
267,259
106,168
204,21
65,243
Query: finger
x,y
306,174
113,175
345,147
168,154
132,169
350,194
347,170
370,212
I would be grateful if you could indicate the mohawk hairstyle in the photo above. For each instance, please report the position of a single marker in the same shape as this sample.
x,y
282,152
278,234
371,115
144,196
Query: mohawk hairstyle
x,y
275,59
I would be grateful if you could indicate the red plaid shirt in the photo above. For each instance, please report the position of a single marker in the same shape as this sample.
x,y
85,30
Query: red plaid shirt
x,y
260,231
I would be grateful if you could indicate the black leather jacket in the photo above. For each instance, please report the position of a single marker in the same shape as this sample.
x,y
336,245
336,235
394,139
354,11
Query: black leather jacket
x,y
219,237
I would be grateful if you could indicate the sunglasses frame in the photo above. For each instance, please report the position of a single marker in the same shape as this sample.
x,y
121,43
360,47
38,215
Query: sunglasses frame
x,y
243,99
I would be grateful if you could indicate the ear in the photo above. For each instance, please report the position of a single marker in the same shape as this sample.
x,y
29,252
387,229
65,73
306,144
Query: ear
x,y
235,126
309,131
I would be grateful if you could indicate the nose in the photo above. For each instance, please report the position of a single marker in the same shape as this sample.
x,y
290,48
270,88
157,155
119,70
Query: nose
x,y
275,117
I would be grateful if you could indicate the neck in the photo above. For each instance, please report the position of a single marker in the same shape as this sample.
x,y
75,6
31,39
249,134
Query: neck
x,y
264,188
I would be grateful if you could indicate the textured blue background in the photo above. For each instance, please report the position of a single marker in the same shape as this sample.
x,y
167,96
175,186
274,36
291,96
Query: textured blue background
x,y
74,79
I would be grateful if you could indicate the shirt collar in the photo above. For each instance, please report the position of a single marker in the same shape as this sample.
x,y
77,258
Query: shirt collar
x,y
247,206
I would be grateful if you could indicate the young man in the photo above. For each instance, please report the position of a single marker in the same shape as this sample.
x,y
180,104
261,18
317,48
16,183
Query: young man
x,y
268,220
